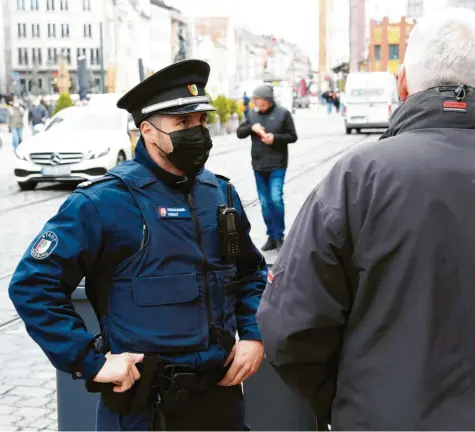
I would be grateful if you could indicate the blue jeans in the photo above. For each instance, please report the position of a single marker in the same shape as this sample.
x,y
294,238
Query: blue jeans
x,y
17,137
270,188
219,409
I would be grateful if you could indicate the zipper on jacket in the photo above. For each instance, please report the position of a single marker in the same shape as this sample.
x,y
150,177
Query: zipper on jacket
x,y
211,324
144,236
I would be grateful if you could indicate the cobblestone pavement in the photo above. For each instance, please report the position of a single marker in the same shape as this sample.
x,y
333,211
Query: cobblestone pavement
x,y
27,380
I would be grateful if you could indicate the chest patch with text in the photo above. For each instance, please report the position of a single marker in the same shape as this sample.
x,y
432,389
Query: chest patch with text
x,y
455,106
173,213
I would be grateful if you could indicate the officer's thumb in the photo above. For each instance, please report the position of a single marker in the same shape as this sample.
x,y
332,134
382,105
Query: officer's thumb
x,y
136,358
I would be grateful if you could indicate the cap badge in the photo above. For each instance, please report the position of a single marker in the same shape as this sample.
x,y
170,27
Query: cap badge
x,y
193,89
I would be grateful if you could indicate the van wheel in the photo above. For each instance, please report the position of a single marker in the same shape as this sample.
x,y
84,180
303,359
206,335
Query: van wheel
x,y
358,131
348,131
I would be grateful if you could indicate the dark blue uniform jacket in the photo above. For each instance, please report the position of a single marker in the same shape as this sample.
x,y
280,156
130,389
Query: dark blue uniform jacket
x,y
149,246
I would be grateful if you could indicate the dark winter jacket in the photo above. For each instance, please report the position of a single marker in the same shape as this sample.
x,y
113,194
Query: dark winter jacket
x,y
278,121
370,308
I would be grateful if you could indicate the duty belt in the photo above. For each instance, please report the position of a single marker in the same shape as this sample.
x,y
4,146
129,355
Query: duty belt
x,y
163,388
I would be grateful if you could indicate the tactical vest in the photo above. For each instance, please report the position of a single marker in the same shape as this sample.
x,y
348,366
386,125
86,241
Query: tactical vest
x,y
175,294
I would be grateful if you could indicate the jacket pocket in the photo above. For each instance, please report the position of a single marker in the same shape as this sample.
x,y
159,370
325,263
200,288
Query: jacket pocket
x,y
165,313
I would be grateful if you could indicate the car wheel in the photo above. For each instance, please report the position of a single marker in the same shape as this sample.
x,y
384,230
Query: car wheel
x,y
27,186
121,158
358,131
348,131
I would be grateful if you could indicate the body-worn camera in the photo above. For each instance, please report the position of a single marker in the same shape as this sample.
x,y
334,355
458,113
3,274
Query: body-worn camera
x,y
228,229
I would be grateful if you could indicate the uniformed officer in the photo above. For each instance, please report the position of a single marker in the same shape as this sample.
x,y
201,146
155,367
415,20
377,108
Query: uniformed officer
x,y
170,282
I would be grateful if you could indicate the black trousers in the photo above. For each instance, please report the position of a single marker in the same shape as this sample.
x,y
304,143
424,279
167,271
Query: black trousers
x,y
219,409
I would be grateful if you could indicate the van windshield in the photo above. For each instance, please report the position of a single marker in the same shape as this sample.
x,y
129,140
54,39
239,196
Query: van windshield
x,y
367,95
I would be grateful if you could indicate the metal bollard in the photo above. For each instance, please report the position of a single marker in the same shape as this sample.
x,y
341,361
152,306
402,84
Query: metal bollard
x,y
271,406
77,407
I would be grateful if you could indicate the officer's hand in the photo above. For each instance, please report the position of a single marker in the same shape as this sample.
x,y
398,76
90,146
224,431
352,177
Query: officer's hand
x,y
246,357
120,369
257,127
268,139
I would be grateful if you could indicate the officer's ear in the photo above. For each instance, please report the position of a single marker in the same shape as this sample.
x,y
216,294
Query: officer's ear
x,y
145,128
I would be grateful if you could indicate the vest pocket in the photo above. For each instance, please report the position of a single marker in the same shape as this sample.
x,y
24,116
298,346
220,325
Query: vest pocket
x,y
165,313
229,288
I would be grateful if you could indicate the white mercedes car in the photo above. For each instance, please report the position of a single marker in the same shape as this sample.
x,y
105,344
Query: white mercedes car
x,y
76,145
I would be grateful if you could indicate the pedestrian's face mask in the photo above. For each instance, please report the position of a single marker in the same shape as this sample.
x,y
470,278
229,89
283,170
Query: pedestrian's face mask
x,y
191,148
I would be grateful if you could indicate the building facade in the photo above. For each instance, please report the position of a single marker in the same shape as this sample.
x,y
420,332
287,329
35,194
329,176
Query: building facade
x,y
337,43
415,9
38,33
418,8
322,42
358,42
469,4
161,35
180,36
3,71
388,43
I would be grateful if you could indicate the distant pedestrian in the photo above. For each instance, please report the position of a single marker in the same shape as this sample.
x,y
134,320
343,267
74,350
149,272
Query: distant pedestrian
x,y
16,122
272,128
38,114
336,102
246,102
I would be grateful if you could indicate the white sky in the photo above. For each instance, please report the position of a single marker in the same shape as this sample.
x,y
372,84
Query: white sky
x,y
296,21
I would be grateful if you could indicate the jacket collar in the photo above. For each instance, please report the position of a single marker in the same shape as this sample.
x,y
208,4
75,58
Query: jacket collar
x,y
436,108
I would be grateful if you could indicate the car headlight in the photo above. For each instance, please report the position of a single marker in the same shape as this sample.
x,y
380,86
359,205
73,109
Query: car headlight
x,y
20,155
96,154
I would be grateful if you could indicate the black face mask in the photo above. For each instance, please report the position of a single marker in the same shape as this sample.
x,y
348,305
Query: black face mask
x,y
191,148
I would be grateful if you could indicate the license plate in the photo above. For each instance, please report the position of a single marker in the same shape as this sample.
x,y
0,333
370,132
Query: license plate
x,y
56,171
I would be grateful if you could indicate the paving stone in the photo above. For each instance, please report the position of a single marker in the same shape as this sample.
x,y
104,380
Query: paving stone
x,y
27,382
33,402
31,391
7,420
5,389
41,423
9,400
7,409
46,375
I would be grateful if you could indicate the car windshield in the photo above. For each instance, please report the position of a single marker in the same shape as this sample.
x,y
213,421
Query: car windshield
x,y
84,118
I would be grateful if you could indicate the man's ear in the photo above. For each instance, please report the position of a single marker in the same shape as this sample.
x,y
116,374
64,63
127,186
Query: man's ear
x,y
402,84
144,127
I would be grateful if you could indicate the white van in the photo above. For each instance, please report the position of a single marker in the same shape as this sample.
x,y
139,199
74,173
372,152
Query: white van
x,y
371,98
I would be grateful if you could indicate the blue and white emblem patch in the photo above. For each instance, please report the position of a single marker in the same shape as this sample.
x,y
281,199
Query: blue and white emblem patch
x,y
45,245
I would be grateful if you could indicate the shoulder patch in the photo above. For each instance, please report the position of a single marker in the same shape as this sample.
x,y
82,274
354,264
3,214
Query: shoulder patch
x,y
45,245
222,177
89,183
